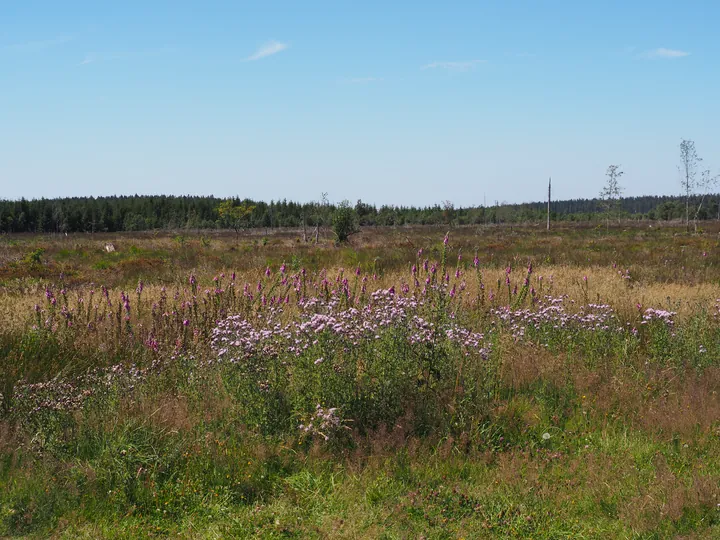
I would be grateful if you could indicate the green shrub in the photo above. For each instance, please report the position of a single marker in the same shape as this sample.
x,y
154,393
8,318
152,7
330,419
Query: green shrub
x,y
344,221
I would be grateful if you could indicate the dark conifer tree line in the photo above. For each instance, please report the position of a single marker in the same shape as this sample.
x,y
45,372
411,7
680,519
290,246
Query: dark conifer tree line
x,y
150,212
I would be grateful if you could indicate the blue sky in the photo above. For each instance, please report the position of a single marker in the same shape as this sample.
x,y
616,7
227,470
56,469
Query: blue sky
x,y
391,102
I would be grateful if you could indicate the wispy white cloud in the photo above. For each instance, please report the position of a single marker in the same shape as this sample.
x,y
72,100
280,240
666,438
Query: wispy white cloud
x,y
270,48
93,58
664,53
31,46
454,66
361,80
89,59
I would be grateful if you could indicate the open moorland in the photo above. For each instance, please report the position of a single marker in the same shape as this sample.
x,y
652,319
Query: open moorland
x,y
491,382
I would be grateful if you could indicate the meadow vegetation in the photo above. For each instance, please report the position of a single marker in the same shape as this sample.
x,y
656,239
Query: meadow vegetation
x,y
489,382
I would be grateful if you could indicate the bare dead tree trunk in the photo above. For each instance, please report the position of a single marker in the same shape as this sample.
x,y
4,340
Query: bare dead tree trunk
x,y
548,209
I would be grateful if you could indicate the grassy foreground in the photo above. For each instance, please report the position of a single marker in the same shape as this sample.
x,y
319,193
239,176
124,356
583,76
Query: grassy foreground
x,y
498,383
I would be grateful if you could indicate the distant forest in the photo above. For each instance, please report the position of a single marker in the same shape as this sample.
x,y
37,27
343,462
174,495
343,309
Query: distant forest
x,y
142,212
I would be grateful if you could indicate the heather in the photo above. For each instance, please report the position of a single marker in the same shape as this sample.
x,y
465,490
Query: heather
x,y
487,382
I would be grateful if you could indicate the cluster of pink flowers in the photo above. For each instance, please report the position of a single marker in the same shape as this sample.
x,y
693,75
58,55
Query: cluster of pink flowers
x,y
235,337
666,317
551,314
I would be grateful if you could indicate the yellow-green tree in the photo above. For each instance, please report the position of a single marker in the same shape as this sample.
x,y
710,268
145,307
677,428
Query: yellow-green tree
x,y
235,215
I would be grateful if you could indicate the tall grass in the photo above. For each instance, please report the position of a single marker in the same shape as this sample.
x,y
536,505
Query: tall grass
x,y
448,396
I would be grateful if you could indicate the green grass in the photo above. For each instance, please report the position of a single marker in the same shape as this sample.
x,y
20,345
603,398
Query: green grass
x,y
605,482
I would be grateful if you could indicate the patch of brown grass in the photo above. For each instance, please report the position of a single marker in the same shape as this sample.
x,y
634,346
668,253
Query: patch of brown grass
x,y
523,365
667,497
660,401
613,392
11,437
687,403
167,411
